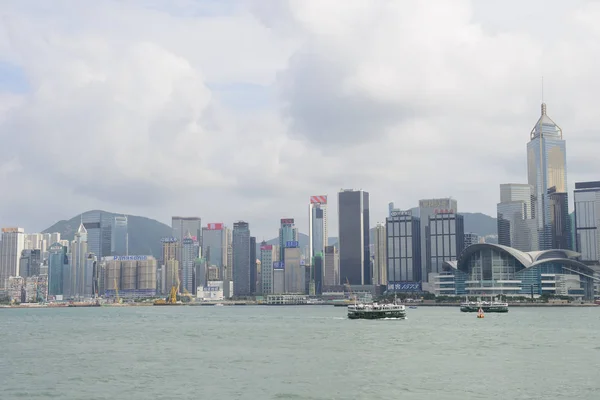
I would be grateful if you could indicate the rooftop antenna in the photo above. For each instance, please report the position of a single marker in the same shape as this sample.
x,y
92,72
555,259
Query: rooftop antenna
x,y
543,104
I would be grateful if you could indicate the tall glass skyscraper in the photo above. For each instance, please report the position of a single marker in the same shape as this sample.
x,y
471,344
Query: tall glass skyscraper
x,y
546,169
317,225
241,258
353,231
287,233
120,237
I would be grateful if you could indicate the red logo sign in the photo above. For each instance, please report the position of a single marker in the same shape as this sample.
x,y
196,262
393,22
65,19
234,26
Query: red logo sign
x,y
287,220
217,226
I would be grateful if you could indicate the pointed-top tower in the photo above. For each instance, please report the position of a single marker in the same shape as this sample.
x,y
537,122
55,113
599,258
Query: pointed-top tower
x,y
547,174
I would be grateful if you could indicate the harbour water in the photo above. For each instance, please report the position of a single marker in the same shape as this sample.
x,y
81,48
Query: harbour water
x,y
305,352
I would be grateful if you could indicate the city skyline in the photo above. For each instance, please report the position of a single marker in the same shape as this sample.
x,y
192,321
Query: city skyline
x,y
304,126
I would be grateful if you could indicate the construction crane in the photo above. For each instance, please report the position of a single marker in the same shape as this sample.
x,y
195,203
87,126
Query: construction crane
x,y
172,298
117,299
188,295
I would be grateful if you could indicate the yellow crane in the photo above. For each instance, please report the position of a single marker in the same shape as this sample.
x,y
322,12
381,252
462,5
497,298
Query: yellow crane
x,y
117,299
172,298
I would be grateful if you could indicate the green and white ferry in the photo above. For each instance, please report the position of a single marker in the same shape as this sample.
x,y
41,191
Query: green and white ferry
x,y
486,306
376,311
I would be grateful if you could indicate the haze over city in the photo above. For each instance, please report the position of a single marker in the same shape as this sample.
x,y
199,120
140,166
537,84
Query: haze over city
x,y
242,110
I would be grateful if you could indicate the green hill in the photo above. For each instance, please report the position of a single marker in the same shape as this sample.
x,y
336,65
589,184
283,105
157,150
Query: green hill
x,y
144,233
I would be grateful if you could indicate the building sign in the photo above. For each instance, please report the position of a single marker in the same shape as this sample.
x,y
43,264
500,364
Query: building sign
x,y
398,213
10,230
216,226
291,244
287,221
211,288
443,211
278,265
434,203
266,247
187,241
168,240
404,286
318,199
125,258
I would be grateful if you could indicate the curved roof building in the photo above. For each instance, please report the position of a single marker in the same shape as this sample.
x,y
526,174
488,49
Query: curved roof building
x,y
491,269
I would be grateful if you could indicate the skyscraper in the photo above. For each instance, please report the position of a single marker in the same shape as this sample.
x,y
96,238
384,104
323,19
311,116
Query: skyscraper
x,y
184,226
317,225
253,265
11,246
287,233
190,252
379,255
587,220
546,168
353,220
267,258
428,208
403,232
79,252
120,237
30,262
98,226
214,245
560,223
294,271
241,259
331,266
446,235
516,226
57,264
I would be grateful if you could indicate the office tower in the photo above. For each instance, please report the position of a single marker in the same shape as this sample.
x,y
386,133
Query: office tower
x,y
190,252
427,208
587,220
560,223
267,258
253,265
33,241
11,247
546,168
98,225
317,225
317,273
446,238
58,262
470,239
202,273
214,245
516,226
120,236
331,266
184,226
30,263
288,234
79,251
227,272
294,271
403,232
241,259
379,255
90,278
353,220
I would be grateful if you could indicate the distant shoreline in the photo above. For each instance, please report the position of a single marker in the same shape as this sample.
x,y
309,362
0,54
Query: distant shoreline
x,y
242,303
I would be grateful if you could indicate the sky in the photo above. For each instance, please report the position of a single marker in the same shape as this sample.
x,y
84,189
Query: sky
x,y
241,110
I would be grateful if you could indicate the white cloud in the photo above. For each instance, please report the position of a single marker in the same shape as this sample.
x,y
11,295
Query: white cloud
x,y
126,109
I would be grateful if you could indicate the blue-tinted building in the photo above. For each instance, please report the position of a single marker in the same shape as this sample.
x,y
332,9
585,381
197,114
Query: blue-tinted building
x,y
58,264
119,236
546,170
486,269
241,258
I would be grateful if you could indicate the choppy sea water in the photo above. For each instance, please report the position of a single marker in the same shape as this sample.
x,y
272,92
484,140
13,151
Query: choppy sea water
x,y
306,352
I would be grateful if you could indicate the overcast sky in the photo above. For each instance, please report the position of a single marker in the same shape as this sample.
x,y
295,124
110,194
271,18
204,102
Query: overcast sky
x,y
233,110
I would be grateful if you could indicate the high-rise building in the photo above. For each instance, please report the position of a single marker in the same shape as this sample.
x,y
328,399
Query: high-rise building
x,y
560,223
470,239
241,259
120,236
587,220
11,246
184,226
546,168
90,279
288,234
30,262
427,208
294,271
267,258
516,226
214,245
317,273
58,263
317,225
190,252
379,255
79,253
98,225
353,231
253,265
331,266
403,232
445,240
